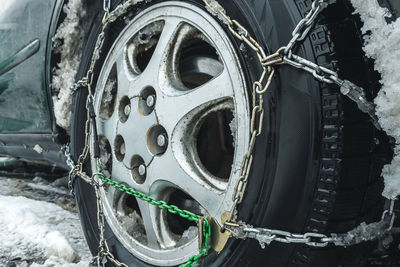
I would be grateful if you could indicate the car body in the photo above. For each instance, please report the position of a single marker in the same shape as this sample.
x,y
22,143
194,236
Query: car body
x,y
27,118
27,123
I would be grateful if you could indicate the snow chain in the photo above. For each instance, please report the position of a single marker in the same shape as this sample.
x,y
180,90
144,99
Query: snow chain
x,y
236,229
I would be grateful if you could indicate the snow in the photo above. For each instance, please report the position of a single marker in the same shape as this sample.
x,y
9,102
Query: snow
x,y
108,96
187,236
233,127
366,232
38,149
36,232
133,223
68,42
216,9
33,223
382,41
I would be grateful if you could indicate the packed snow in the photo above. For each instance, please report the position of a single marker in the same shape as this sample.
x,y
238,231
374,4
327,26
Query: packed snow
x,y
68,42
216,9
382,41
133,223
107,99
39,226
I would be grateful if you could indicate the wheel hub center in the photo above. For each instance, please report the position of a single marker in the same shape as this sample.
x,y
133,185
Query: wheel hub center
x,y
138,134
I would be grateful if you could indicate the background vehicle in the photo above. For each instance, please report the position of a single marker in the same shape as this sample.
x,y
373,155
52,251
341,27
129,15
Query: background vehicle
x,y
332,188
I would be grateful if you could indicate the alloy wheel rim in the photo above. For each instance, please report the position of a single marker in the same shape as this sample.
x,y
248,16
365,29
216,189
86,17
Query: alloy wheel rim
x,y
170,78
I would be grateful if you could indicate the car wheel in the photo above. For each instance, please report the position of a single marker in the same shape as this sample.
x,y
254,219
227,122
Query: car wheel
x,y
173,115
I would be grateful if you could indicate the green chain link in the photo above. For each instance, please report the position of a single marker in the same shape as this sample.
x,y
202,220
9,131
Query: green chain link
x,y
205,247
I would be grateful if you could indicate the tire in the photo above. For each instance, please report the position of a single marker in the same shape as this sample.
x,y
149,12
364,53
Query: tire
x,y
318,161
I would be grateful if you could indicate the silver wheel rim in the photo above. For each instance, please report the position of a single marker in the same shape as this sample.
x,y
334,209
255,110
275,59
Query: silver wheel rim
x,y
150,124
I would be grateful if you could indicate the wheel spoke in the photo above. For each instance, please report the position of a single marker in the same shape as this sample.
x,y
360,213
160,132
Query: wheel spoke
x,y
108,128
149,216
120,173
172,109
125,77
156,230
164,46
166,169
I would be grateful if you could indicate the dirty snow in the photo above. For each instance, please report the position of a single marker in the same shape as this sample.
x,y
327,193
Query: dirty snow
x,y
216,9
188,235
107,99
68,42
38,149
382,43
233,127
133,223
40,226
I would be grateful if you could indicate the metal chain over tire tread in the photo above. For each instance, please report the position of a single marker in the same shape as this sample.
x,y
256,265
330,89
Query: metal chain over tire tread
x,y
354,179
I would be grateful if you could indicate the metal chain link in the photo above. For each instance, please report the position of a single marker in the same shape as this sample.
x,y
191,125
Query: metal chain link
x,y
360,234
260,87
159,203
104,253
305,25
284,55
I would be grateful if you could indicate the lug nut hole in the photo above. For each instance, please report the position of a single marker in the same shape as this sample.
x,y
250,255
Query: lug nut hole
x,y
119,147
138,169
157,140
124,109
147,101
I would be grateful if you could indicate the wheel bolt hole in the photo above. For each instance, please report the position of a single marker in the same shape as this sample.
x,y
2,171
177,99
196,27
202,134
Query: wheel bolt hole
x,y
150,101
127,110
124,109
161,140
157,140
142,170
147,101
138,169
119,147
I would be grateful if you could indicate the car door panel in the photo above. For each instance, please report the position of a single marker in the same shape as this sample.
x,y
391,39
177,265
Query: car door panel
x,y
24,87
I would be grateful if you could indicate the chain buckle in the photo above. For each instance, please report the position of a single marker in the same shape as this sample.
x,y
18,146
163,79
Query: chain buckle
x,y
274,59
